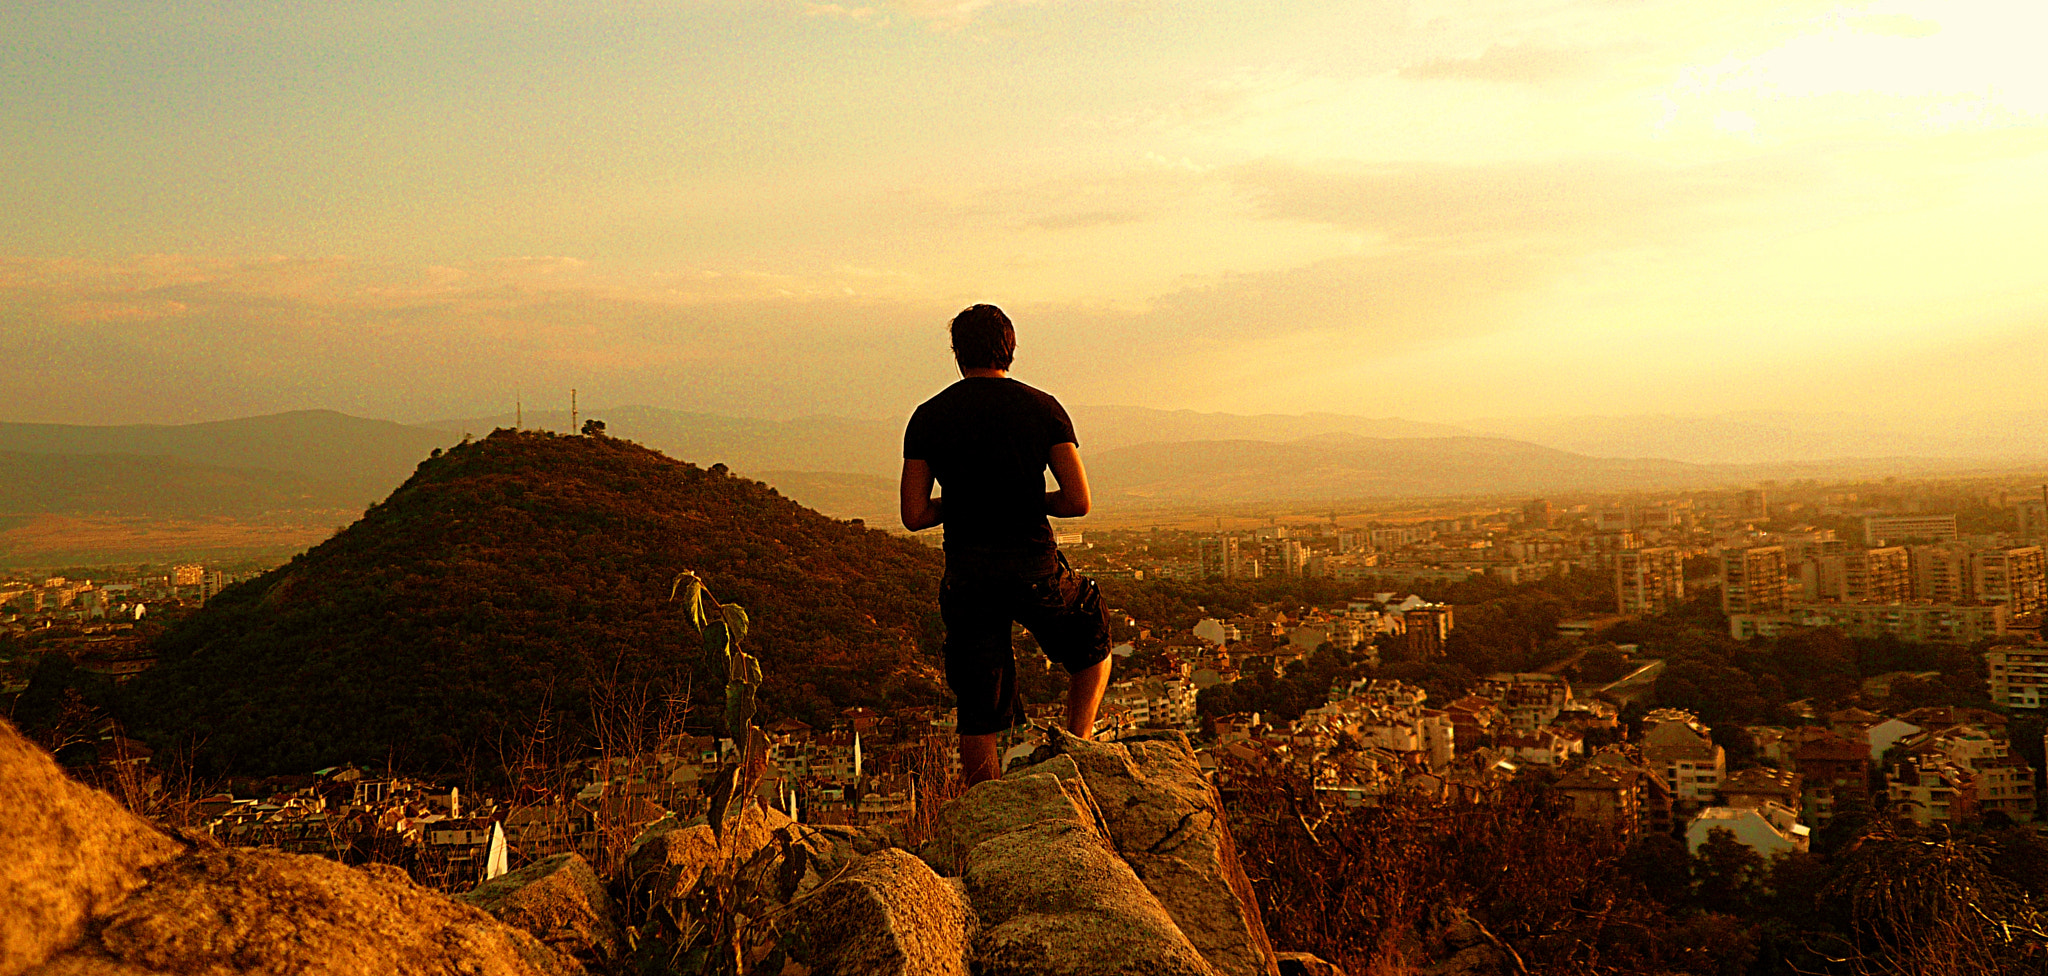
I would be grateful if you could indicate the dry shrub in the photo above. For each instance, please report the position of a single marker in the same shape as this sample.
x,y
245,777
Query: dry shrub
x,y
1373,888
1931,905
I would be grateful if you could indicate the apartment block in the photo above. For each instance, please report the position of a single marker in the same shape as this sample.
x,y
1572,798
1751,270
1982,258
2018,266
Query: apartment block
x,y
1944,623
1880,530
1753,580
1219,557
1649,581
1882,575
2019,675
1941,574
2016,577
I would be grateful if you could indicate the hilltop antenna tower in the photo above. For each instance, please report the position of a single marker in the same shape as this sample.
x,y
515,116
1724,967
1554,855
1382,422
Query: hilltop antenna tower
x,y
572,410
518,412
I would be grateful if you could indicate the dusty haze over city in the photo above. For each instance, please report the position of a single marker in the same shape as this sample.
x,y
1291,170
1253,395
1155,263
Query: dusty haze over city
x,y
1474,213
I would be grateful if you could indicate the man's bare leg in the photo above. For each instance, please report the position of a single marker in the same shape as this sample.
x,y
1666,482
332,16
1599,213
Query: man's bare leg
x,y
1084,696
979,758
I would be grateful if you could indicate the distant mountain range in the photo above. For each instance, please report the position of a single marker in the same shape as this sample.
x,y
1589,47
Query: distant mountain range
x,y
322,468
309,459
1783,437
1347,466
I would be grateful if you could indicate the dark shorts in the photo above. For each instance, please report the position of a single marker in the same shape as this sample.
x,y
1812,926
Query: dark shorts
x,y
981,595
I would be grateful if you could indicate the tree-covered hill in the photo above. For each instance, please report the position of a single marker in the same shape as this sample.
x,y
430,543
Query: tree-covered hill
x,y
505,581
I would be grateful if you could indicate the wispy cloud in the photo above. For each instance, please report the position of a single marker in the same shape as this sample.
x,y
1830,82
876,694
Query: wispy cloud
x,y
1590,200
1508,63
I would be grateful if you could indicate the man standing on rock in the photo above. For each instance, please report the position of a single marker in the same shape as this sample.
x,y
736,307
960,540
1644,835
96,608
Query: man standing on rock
x,y
988,441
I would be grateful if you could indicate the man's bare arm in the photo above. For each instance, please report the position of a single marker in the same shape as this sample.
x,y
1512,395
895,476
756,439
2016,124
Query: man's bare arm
x,y
920,509
1071,500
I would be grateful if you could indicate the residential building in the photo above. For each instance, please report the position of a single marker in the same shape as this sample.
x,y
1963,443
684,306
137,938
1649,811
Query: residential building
x,y
1616,794
1530,701
1834,771
1649,581
1930,789
1882,575
1878,530
1941,574
1682,752
1219,557
1944,623
1768,828
2005,784
2016,577
1753,580
1758,785
1426,627
1542,747
2019,675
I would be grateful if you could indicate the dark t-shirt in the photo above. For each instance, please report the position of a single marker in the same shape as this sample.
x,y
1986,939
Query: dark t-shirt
x,y
988,440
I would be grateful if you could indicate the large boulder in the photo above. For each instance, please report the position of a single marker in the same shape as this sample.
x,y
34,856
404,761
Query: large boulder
x,y
89,889
69,853
1059,902
669,856
997,806
561,902
889,914
267,912
829,851
1166,821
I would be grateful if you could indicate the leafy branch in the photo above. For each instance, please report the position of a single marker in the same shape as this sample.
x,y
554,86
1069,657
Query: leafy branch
x,y
721,628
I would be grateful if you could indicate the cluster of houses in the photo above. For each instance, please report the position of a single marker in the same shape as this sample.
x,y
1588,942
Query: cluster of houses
x,y
1377,737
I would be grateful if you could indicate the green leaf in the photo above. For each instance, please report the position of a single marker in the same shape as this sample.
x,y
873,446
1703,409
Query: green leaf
x,y
749,670
717,648
735,621
693,598
739,711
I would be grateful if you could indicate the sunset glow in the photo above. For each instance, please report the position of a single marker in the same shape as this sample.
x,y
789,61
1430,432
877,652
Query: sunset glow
x,y
1435,210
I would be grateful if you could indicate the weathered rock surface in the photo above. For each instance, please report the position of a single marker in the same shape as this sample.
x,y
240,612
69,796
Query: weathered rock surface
x,y
998,806
561,902
268,912
89,889
1165,820
68,853
668,857
830,850
888,915
1057,900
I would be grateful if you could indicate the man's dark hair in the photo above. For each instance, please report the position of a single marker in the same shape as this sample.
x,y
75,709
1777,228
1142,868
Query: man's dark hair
x,y
983,338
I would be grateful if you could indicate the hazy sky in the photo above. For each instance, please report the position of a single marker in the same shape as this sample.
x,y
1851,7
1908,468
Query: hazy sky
x,y
1435,210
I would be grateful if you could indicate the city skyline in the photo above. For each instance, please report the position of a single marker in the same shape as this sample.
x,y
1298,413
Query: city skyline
x,y
1436,211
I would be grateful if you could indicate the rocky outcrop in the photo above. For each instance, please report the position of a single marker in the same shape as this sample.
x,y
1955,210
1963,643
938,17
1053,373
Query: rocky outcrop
x,y
89,889
560,901
1050,792
888,914
1058,900
69,854
1166,821
1101,859
258,911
